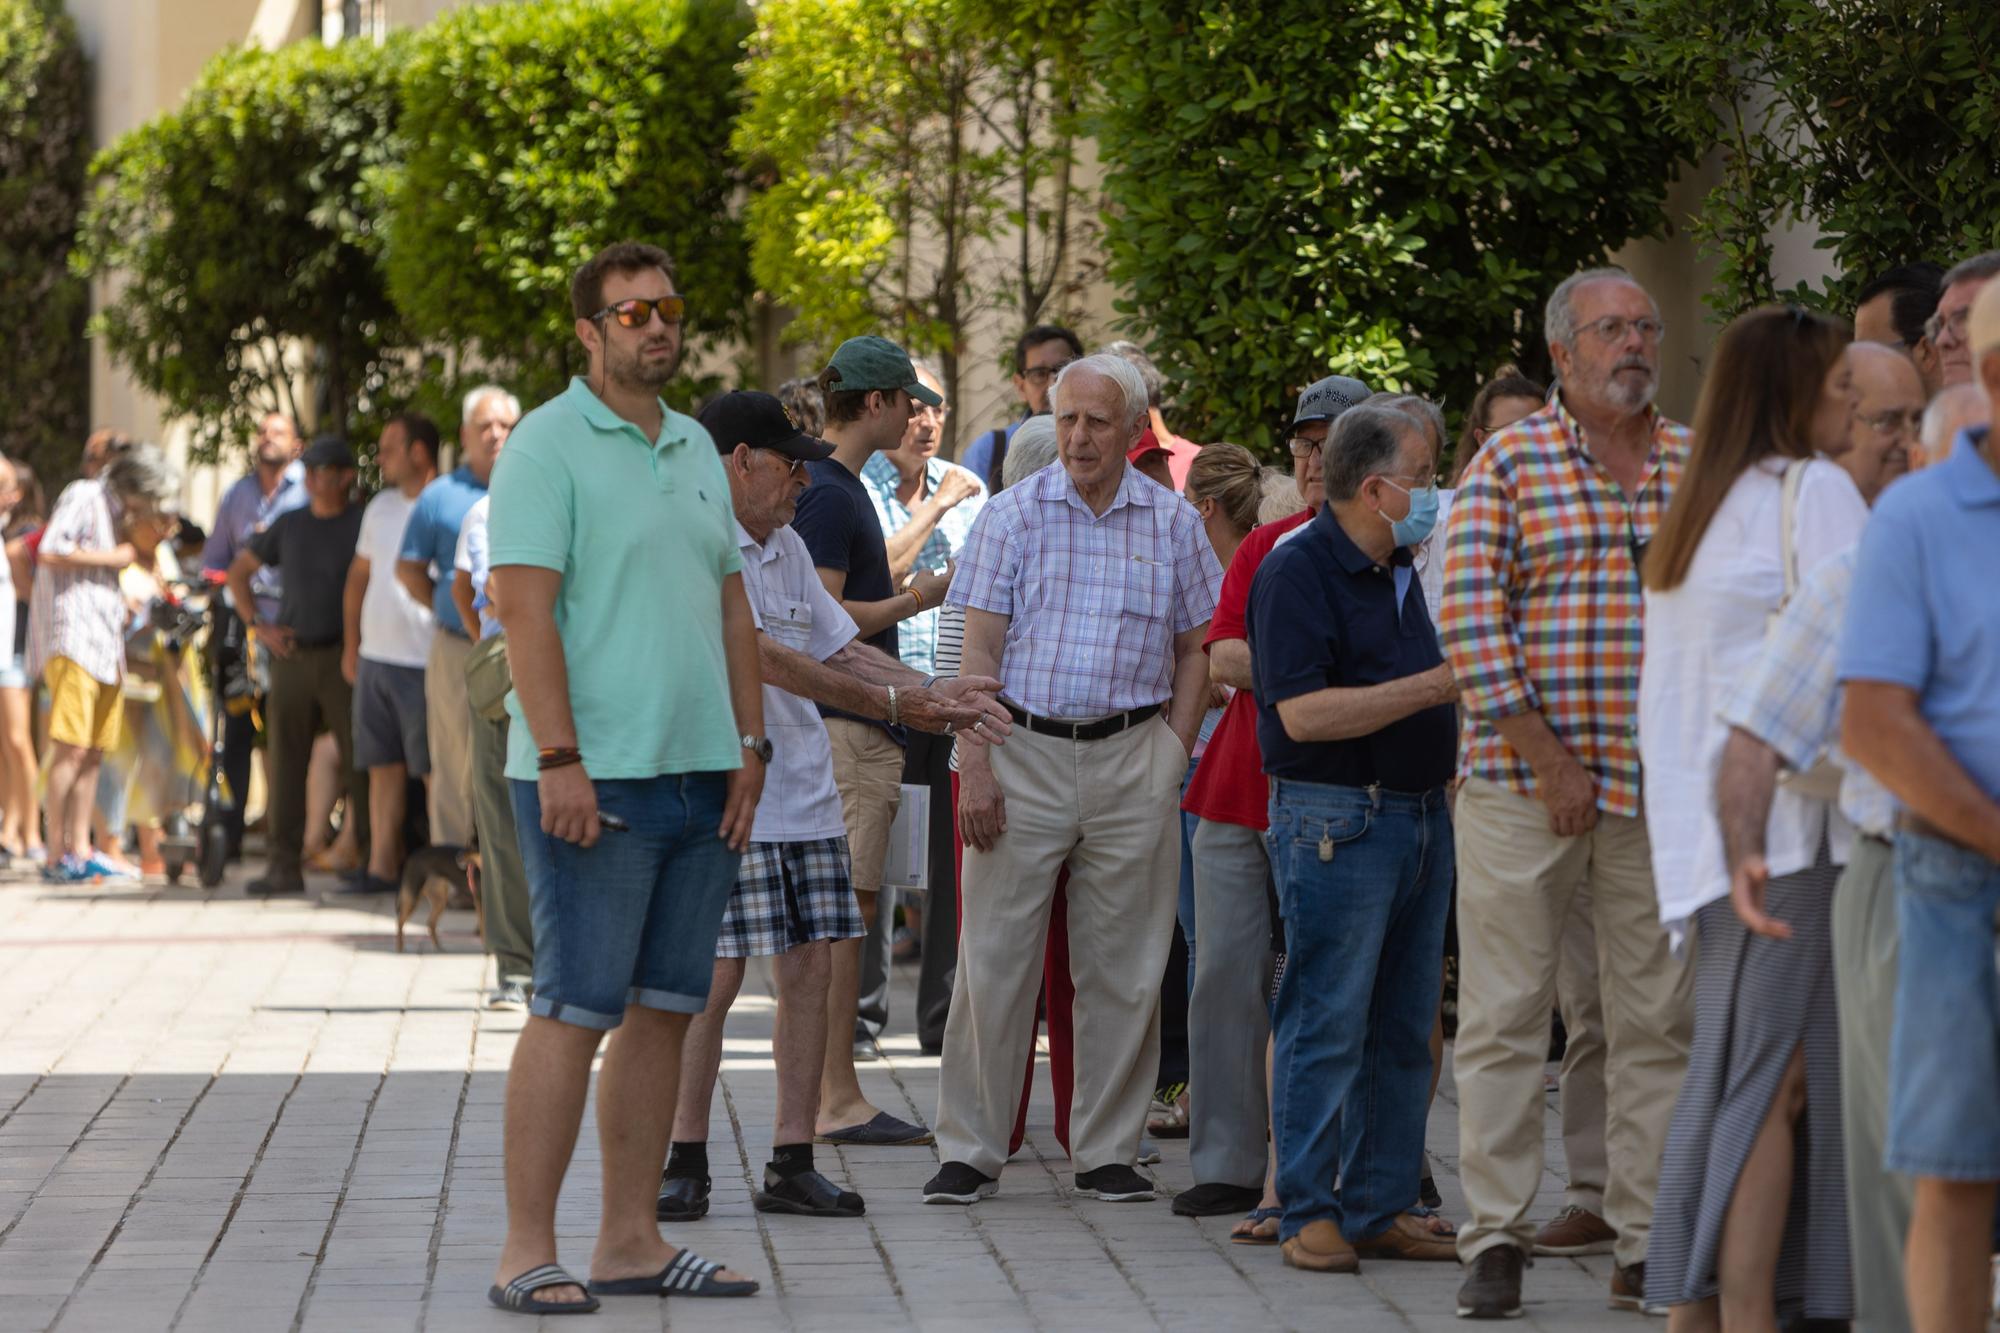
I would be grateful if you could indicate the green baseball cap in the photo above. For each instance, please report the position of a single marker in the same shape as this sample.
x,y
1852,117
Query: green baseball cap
x,y
869,362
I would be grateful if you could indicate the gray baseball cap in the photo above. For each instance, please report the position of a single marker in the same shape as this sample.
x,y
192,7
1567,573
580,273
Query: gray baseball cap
x,y
1326,399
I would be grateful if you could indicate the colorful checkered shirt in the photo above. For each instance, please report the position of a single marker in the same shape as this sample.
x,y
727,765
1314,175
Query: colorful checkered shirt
x,y
1542,603
1093,601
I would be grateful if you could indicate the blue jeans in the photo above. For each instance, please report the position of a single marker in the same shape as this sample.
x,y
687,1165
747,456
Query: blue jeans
x,y
633,919
1364,882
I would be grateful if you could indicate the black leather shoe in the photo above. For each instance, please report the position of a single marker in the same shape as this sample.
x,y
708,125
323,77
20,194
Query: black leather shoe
x,y
808,1194
1217,1200
274,884
682,1199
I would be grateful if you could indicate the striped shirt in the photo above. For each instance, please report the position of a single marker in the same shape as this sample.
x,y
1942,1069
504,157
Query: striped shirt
x,y
1542,603
78,613
1093,601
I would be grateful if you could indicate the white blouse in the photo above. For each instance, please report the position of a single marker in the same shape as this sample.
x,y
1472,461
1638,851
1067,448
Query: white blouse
x,y
1700,639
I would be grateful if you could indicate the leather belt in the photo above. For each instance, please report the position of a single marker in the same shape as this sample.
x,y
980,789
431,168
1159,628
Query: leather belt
x,y
1081,731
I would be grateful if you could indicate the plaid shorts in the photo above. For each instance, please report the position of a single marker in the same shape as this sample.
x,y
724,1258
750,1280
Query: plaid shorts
x,y
788,894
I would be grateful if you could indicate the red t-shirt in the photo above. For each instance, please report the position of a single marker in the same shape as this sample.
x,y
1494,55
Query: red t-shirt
x,y
1229,785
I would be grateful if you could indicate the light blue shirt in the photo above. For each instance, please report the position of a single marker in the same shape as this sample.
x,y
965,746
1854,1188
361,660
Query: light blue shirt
x,y
432,537
916,638
1924,613
245,511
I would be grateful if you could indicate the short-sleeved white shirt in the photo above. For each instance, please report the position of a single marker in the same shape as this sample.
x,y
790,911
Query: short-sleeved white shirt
x,y
396,629
791,605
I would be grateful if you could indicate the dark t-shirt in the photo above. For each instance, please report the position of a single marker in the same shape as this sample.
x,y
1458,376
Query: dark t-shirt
x,y
314,553
837,522
1324,614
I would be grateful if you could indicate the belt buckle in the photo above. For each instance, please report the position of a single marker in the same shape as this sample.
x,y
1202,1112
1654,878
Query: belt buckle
x,y
1075,732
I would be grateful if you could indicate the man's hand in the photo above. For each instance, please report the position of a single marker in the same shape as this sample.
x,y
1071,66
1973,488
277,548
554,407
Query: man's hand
x,y
963,705
932,584
739,809
350,662
569,805
1746,894
277,640
982,810
1570,794
958,487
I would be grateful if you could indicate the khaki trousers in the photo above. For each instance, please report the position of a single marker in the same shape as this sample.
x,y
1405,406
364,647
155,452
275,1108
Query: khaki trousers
x,y
1580,1099
448,724
868,773
1879,1202
1516,882
1107,810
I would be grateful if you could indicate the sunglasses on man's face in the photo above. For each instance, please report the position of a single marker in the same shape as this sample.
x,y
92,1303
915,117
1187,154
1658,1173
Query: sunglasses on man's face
x,y
637,313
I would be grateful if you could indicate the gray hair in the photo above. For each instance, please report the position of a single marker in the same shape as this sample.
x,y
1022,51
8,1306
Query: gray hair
x,y
1979,268
1559,315
1363,444
479,395
1032,448
1281,498
144,475
1114,368
1949,413
1126,350
1425,413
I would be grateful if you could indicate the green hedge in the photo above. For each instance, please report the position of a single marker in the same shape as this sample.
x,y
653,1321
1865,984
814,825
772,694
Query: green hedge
x,y
44,362
537,134
1386,187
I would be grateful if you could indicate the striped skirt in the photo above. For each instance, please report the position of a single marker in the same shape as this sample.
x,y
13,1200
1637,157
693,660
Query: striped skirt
x,y
1758,1000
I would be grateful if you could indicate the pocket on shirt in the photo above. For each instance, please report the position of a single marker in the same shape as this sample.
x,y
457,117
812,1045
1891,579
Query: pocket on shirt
x,y
1148,584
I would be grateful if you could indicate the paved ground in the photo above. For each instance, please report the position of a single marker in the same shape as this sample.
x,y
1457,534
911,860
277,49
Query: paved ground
x,y
218,1114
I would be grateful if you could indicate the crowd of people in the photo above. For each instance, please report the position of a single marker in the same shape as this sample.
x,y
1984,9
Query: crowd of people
x,y
1678,744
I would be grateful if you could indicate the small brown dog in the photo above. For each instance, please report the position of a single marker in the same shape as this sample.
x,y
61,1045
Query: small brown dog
x,y
432,873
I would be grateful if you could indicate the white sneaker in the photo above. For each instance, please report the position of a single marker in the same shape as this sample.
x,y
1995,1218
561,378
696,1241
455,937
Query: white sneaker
x,y
511,995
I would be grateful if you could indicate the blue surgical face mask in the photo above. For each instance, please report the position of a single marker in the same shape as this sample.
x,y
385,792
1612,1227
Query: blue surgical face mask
x,y
1413,527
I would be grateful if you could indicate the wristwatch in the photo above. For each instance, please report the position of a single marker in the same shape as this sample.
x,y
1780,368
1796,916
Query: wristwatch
x,y
759,746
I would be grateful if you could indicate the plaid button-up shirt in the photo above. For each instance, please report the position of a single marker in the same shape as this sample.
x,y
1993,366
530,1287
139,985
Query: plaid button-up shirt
x,y
1093,601
916,638
79,613
1542,602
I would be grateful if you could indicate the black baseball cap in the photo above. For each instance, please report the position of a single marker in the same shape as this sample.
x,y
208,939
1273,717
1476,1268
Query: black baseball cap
x,y
329,451
762,422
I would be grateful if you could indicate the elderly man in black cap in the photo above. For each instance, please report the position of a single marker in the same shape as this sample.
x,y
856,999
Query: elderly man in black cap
x,y
313,547
794,895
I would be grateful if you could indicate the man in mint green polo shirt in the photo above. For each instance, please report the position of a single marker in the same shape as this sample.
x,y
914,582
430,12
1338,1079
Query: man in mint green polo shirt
x,y
635,759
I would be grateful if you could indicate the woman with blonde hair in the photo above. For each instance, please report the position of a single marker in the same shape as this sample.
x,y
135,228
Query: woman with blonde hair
x,y
1750,1221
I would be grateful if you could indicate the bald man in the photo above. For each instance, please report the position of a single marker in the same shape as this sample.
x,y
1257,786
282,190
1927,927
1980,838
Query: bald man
x,y
1883,433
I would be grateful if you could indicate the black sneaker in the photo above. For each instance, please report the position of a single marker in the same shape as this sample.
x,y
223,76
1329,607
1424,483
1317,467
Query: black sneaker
x,y
1492,1287
682,1199
1217,1200
956,1182
272,885
1115,1184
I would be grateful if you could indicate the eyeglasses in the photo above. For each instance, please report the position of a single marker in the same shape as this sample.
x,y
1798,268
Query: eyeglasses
x,y
1304,446
793,466
1909,422
637,313
1956,321
1613,328
1040,375
941,411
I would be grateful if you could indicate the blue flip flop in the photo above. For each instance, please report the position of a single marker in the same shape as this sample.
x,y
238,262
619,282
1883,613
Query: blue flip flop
x,y
688,1275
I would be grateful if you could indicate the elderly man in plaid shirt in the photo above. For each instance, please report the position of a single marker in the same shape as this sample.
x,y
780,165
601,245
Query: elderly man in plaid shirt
x,y
1087,590
1542,625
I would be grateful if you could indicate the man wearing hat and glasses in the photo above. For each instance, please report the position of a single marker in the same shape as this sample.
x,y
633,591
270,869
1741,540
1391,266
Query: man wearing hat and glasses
x,y
312,547
794,897
871,389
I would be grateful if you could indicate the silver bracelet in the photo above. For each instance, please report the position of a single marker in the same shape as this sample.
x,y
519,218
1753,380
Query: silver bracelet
x,y
895,713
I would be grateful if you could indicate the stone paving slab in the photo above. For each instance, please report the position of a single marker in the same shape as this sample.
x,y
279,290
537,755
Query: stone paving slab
x,y
225,1114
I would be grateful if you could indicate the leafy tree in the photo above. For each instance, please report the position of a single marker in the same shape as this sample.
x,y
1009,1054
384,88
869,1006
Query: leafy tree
x,y
44,366
237,230
539,133
918,159
1387,188
1873,119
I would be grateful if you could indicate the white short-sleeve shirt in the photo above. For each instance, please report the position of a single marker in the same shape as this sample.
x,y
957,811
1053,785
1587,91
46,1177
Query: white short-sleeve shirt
x,y
396,629
792,606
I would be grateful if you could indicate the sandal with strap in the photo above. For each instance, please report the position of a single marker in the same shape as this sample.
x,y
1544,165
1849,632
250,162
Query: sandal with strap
x,y
1257,1233
519,1296
688,1275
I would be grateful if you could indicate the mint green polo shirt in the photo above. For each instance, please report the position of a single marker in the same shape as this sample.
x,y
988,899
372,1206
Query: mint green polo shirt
x,y
643,535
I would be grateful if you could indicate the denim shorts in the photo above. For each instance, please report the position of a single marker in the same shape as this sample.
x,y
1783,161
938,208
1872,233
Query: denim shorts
x,y
1944,1058
632,920
389,718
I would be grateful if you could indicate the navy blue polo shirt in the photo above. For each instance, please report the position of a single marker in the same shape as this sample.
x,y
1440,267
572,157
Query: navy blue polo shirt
x,y
1324,614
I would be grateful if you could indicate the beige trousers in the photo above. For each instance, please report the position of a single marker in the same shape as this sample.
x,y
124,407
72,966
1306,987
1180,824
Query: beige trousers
x,y
1107,810
1581,1098
448,725
1516,882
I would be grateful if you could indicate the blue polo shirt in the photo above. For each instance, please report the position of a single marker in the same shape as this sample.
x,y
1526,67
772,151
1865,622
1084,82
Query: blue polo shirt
x,y
1924,614
1323,614
431,535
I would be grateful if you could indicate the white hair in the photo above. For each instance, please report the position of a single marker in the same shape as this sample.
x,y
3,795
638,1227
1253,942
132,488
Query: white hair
x,y
1280,496
1559,315
1949,413
1131,385
481,394
1032,448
